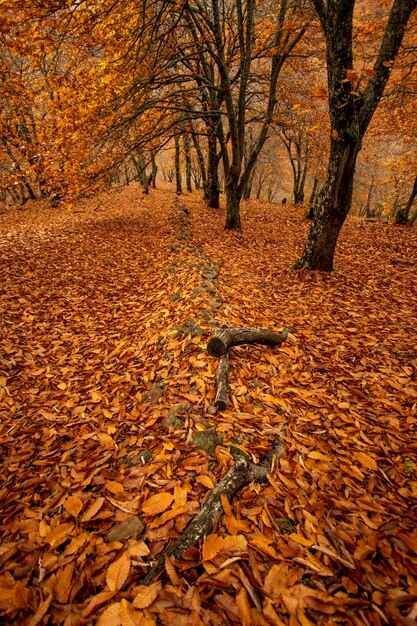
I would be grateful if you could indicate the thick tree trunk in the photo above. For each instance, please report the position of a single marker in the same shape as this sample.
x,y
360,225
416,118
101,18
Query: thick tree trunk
x,y
232,203
213,187
333,205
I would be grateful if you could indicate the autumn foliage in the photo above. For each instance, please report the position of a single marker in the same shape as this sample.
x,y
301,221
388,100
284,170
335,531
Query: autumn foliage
x,y
106,389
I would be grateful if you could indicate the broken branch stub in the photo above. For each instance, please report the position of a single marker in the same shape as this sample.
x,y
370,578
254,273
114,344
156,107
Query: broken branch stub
x,y
222,382
226,337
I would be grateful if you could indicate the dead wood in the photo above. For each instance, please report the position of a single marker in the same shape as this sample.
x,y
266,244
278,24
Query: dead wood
x,y
226,337
403,262
222,383
241,474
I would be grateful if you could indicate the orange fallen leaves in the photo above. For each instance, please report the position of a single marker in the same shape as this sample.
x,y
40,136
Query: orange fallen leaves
x,y
95,355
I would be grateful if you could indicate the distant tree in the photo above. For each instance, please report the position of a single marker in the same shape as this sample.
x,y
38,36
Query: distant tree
x,y
351,110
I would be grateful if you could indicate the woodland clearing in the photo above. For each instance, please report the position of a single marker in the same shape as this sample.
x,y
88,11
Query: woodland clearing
x,y
105,381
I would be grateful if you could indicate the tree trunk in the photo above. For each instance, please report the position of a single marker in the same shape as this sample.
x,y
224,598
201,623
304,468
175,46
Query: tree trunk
x,y
232,203
298,195
402,217
312,200
213,187
187,156
154,170
143,176
332,208
200,160
178,180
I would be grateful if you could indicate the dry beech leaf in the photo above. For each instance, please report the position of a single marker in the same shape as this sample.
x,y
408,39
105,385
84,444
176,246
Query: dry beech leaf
x,y
73,505
114,487
92,509
243,607
158,503
128,615
366,460
301,540
212,545
110,616
146,595
97,601
234,545
138,549
63,583
117,572
59,535
319,456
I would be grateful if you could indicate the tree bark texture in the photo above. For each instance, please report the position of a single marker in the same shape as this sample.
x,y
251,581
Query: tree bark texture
x,y
232,203
225,337
223,389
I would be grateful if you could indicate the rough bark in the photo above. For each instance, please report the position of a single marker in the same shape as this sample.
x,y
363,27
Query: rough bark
x,y
332,207
232,203
213,187
223,389
226,337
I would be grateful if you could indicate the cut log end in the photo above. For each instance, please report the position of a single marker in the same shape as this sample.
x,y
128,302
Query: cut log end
x,y
215,346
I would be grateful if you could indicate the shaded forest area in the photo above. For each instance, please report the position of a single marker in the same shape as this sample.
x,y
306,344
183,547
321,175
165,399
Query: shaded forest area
x,y
107,417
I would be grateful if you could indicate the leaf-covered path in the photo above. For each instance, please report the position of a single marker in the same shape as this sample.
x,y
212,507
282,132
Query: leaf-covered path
x,y
106,387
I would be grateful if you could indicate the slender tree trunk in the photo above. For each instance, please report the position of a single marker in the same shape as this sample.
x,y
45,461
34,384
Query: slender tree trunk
x,y
188,166
154,169
201,164
312,199
332,207
178,180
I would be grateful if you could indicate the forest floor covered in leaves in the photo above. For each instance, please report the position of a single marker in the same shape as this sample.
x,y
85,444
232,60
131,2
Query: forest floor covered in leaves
x,y
106,388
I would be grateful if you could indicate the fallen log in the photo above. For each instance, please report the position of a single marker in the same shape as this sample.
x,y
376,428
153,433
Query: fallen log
x,y
222,383
225,337
241,474
403,262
